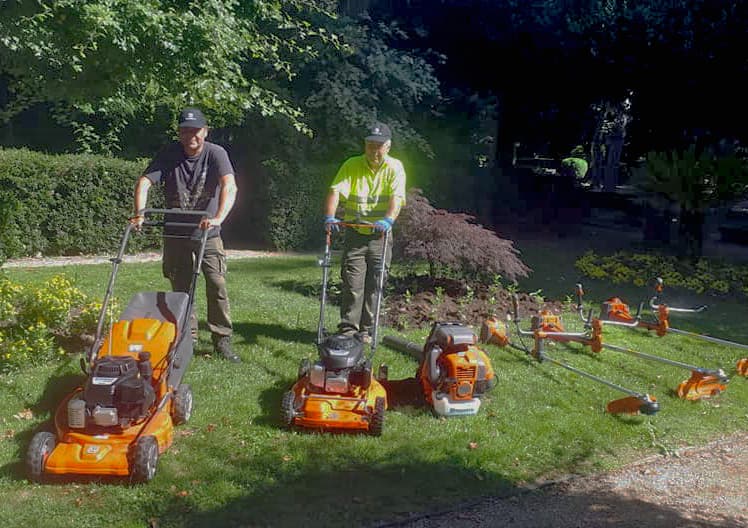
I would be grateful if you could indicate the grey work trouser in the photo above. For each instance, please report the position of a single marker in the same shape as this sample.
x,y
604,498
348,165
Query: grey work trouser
x,y
178,261
362,255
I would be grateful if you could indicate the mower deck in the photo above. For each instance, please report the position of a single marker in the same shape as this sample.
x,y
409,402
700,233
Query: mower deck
x,y
99,452
355,410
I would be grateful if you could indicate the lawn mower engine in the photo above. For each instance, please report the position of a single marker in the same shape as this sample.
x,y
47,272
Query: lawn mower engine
x,y
341,366
118,392
454,373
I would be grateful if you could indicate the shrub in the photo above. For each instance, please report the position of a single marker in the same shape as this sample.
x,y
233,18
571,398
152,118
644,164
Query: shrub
x,y
701,276
295,196
65,204
34,318
453,242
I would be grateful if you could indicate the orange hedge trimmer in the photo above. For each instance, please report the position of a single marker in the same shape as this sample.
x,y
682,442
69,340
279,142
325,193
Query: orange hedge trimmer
x,y
702,383
547,326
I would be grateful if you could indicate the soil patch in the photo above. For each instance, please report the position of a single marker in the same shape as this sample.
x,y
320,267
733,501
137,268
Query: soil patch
x,y
415,302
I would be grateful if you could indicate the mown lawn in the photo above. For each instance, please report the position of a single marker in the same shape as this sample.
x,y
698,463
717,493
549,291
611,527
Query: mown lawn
x,y
233,464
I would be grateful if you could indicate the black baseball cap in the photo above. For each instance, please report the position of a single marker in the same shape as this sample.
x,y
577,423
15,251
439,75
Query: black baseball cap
x,y
193,118
378,132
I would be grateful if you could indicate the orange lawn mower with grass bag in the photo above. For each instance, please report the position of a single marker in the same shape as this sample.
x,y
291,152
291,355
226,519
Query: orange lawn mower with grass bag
x,y
122,418
339,391
703,382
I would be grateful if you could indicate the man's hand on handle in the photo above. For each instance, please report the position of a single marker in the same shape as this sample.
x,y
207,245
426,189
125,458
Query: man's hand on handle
x,y
207,223
332,223
383,225
137,221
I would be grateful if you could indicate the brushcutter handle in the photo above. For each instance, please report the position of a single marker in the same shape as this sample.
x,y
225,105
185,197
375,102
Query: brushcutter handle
x,y
580,293
659,287
515,307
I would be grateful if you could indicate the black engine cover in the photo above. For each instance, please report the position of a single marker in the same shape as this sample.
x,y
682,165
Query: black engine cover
x,y
341,351
116,382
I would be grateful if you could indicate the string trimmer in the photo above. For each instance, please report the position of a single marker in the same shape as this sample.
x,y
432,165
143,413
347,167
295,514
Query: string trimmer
x,y
703,382
663,310
547,326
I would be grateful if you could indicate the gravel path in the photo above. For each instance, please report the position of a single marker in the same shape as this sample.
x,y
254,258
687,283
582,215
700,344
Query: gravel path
x,y
697,487
33,262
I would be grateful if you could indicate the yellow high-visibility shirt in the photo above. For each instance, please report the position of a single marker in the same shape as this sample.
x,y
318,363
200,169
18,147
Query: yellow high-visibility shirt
x,y
365,194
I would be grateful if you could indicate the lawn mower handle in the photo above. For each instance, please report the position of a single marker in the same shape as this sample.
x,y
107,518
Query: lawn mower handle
x,y
117,260
325,262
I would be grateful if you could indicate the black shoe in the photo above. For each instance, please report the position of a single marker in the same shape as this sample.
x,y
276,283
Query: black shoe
x,y
222,345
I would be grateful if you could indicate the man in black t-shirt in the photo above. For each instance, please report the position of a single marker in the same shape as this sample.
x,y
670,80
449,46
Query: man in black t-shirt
x,y
196,175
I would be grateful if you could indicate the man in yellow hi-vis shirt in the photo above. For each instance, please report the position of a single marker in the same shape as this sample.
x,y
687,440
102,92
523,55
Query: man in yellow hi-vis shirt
x,y
372,188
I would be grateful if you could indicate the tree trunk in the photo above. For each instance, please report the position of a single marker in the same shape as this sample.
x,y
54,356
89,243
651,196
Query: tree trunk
x,y
691,233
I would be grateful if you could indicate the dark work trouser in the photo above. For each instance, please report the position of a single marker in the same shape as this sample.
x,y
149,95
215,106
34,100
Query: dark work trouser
x,y
362,255
178,261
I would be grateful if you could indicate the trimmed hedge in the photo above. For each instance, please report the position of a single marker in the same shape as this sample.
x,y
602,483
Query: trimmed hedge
x,y
66,204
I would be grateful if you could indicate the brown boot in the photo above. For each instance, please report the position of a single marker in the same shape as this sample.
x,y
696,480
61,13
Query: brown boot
x,y
222,345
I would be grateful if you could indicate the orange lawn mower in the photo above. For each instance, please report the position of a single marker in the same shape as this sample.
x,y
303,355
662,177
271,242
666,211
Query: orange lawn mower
x,y
339,391
453,372
703,382
122,418
546,326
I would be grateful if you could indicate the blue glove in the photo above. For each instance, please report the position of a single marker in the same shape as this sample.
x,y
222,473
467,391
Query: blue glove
x,y
332,222
383,225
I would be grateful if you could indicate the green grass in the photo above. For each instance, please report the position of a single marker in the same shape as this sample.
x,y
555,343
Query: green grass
x,y
233,465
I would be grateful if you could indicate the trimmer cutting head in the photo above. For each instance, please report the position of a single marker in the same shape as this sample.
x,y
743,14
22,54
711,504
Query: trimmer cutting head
x,y
702,385
643,404
742,367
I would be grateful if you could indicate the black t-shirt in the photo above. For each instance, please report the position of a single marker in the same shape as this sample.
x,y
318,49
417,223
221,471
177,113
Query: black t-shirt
x,y
190,183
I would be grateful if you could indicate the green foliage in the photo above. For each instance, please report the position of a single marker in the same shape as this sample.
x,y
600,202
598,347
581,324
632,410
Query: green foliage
x,y
694,180
65,205
295,204
340,92
375,79
701,276
32,316
575,167
104,64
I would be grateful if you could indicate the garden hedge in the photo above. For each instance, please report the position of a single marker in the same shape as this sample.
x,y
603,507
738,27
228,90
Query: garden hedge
x,y
66,204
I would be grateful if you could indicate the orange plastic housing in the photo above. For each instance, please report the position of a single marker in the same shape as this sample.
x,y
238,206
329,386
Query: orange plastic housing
x,y
699,386
494,331
98,450
617,310
742,367
128,338
461,370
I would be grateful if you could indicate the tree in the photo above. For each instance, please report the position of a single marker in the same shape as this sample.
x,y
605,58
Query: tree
x,y
694,180
453,242
102,64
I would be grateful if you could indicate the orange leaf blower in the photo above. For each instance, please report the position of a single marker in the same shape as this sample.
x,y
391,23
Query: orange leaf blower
x,y
453,372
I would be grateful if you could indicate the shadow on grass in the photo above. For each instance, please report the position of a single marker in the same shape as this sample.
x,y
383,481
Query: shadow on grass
x,y
320,492
250,331
343,493
57,387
